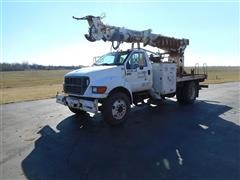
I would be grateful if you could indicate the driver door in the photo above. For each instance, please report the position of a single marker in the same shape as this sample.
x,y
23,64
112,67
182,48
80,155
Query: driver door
x,y
138,73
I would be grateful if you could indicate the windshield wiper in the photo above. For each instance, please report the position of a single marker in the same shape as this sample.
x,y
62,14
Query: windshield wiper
x,y
107,64
104,64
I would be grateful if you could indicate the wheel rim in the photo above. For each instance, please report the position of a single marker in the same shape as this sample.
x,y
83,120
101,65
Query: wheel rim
x,y
192,92
119,109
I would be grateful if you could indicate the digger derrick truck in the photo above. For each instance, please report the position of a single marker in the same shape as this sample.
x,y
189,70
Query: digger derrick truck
x,y
120,79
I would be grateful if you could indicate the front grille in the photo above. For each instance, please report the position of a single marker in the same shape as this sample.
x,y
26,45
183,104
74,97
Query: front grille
x,y
76,85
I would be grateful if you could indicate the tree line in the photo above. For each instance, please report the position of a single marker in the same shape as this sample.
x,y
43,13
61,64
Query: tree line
x,y
26,66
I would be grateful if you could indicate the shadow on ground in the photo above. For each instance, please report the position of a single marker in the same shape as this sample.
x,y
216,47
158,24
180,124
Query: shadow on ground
x,y
166,142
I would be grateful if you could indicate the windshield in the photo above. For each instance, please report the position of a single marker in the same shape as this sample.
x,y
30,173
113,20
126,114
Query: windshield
x,y
113,58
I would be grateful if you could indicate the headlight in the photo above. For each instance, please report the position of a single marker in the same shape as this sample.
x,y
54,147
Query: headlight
x,y
99,89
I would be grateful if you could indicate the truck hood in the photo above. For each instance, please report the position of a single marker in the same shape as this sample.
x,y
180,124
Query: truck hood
x,y
95,71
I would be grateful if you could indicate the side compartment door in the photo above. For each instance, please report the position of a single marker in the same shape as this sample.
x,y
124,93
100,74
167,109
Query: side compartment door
x,y
138,72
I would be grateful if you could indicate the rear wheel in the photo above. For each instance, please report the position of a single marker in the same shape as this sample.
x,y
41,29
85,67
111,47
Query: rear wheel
x,y
115,108
188,93
77,111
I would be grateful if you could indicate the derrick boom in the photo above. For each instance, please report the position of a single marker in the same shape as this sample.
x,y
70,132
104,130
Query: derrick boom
x,y
99,31
173,46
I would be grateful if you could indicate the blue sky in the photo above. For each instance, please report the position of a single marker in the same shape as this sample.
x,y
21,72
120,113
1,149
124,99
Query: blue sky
x,y
43,32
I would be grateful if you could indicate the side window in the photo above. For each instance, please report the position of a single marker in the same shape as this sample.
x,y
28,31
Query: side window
x,y
142,60
136,60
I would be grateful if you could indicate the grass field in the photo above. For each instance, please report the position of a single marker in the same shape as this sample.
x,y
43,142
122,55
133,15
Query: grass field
x,y
220,74
31,85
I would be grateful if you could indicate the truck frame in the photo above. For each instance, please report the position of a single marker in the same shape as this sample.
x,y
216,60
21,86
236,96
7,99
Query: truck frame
x,y
120,79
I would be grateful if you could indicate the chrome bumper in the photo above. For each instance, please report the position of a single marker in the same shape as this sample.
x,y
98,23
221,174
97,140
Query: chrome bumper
x,y
85,105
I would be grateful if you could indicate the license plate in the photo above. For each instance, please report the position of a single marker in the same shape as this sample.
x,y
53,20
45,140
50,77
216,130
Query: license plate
x,y
72,102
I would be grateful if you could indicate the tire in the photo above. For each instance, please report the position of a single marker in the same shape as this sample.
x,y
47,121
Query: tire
x,y
77,111
188,93
116,108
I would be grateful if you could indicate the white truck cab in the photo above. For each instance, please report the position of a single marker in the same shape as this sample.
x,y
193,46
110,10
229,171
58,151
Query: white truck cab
x,y
118,79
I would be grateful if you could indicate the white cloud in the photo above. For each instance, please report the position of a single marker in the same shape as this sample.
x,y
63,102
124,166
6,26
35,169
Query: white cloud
x,y
76,54
83,54
211,59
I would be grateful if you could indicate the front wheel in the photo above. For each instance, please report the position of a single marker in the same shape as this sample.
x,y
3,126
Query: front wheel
x,y
115,108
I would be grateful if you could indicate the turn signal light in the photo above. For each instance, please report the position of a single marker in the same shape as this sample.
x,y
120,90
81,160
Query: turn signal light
x,y
99,89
